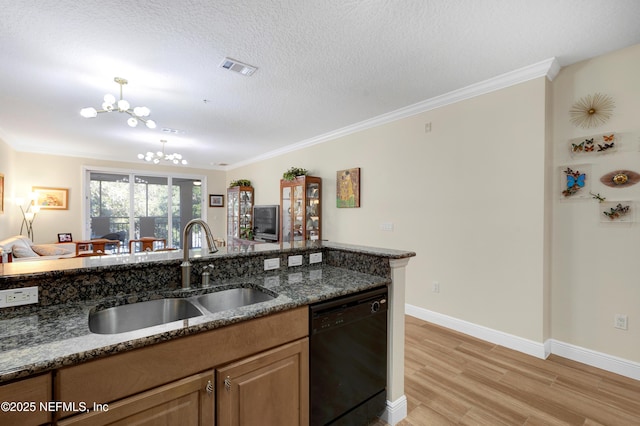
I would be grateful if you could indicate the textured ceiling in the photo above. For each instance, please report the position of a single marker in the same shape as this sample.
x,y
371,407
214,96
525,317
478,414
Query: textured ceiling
x,y
322,65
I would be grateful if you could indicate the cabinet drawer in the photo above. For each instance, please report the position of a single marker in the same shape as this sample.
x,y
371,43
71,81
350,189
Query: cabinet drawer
x,y
31,391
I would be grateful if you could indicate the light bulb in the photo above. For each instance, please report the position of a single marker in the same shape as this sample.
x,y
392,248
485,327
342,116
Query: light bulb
x,y
156,161
123,105
88,112
132,122
109,99
140,156
29,215
107,106
151,124
184,162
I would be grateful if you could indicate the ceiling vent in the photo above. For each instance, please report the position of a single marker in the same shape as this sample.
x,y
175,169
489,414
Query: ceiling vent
x,y
236,66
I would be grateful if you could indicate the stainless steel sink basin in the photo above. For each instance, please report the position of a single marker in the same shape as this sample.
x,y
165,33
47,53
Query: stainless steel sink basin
x,y
140,315
232,298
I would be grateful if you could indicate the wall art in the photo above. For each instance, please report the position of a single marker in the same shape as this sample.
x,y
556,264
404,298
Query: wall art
x,y
620,178
592,110
575,181
348,188
617,211
216,200
604,143
51,198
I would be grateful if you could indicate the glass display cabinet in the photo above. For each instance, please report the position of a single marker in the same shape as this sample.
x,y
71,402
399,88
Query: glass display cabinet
x,y
300,208
240,213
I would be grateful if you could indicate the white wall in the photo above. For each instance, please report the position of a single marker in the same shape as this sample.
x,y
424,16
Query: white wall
x,y
467,197
595,265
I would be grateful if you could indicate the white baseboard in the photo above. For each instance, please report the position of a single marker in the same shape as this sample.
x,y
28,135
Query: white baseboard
x,y
507,340
395,411
576,353
596,359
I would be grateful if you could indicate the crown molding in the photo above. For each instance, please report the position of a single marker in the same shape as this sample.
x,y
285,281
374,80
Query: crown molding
x,y
548,68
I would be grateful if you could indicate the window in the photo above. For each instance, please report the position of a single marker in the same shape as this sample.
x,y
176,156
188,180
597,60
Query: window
x,y
127,206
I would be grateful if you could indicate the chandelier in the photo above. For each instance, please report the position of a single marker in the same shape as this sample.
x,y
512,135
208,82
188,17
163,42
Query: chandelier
x,y
110,104
156,157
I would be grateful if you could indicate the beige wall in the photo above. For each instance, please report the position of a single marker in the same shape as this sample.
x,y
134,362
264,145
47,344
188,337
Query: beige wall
x,y
7,167
476,198
66,172
467,197
595,265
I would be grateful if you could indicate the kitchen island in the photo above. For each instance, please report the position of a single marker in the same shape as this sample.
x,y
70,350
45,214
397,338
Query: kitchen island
x,y
54,334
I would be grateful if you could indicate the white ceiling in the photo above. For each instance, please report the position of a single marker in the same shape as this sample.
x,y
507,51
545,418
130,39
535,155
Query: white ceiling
x,y
322,65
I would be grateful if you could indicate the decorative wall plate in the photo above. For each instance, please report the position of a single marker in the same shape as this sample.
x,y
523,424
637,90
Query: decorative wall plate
x,y
620,178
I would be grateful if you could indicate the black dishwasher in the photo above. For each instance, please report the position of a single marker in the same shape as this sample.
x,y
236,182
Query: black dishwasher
x,y
348,359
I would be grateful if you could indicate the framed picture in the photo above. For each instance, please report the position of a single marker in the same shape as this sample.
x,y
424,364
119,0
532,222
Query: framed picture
x,y
51,198
1,193
348,188
216,200
65,237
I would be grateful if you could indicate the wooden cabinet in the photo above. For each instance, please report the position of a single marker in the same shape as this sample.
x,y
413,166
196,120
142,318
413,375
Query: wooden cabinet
x,y
171,378
300,206
189,402
240,213
25,398
271,388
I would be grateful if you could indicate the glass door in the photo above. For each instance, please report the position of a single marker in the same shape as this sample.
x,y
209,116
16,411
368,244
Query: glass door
x,y
133,206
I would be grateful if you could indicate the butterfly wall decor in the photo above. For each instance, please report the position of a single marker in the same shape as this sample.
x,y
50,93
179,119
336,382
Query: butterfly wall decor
x,y
575,180
617,212
603,142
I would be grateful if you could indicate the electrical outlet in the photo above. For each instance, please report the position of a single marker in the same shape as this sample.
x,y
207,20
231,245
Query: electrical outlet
x,y
621,321
295,260
315,257
270,264
18,296
386,226
435,287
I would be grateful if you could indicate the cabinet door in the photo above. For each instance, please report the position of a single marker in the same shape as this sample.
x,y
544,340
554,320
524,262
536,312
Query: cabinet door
x,y
29,393
271,388
190,401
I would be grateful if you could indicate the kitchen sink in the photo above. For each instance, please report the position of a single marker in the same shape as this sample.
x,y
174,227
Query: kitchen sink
x,y
135,316
139,315
232,298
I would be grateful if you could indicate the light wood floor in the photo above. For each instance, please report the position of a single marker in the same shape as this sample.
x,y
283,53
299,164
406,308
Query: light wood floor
x,y
455,379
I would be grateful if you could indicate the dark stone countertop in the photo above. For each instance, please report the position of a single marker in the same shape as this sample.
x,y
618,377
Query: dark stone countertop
x,y
45,338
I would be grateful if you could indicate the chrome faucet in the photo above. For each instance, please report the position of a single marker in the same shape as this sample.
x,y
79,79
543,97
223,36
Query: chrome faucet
x,y
186,265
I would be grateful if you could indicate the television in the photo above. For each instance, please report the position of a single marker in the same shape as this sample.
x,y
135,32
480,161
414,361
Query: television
x,y
266,223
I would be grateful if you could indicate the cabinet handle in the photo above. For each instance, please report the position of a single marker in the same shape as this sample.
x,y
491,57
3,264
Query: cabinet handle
x,y
227,384
209,388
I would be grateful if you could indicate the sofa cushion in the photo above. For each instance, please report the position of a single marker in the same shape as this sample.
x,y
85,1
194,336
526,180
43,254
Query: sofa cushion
x,y
23,251
50,250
